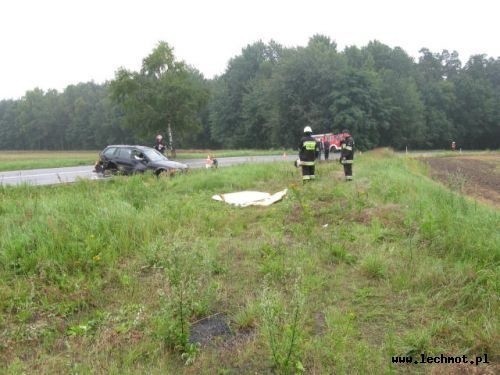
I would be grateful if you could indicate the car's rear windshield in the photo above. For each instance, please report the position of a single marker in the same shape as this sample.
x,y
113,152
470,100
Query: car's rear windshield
x,y
154,155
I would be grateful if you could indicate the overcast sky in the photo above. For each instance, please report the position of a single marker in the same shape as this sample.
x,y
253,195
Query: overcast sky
x,y
51,44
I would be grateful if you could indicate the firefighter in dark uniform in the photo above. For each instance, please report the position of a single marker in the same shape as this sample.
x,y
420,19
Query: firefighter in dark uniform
x,y
347,154
308,150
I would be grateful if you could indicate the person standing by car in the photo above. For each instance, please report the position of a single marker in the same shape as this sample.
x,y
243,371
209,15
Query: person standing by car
x,y
347,154
308,150
326,146
319,149
159,145
211,162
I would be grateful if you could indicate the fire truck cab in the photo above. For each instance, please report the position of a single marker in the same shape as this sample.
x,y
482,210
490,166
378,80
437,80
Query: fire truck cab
x,y
333,139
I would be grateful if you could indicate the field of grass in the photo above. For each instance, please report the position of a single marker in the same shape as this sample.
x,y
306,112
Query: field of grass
x,y
115,276
20,160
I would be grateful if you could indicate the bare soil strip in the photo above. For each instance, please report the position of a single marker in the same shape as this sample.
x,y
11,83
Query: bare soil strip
x,y
475,175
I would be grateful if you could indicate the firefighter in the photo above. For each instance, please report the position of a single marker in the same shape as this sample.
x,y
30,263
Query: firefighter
x,y
307,155
347,154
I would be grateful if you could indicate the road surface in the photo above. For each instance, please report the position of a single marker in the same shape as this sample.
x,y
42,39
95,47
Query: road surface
x,y
53,176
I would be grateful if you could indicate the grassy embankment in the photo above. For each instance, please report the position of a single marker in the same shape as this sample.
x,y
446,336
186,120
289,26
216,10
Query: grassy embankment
x,y
108,277
22,160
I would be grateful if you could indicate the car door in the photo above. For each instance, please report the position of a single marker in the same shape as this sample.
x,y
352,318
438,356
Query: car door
x,y
139,161
124,161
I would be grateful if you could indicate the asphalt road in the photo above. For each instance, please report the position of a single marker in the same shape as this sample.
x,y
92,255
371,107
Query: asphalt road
x,y
47,176
53,176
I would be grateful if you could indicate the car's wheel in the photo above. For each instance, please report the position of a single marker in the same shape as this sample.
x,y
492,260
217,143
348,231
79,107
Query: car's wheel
x,y
138,171
164,173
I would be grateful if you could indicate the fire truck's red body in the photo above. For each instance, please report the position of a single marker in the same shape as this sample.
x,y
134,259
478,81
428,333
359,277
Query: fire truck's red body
x,y
334,139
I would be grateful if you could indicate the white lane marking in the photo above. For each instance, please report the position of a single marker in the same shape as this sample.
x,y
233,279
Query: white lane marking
x,y
41,174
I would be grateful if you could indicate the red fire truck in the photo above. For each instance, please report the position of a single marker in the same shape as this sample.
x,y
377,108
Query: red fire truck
x,y
333,139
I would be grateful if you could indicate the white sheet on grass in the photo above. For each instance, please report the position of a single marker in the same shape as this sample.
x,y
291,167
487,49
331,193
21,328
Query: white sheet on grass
x,y
250,198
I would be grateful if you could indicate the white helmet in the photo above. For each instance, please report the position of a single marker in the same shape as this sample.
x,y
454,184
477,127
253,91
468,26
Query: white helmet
x,y
308,129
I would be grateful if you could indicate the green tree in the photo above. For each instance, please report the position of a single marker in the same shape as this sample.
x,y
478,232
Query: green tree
x,y
37,119
451,64
477,112
358,105
164,96
382,58
302,88
239,112
405,111
436,75
9,135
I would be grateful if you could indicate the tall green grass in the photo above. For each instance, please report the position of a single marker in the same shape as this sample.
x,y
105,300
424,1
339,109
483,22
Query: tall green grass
x,y
110,276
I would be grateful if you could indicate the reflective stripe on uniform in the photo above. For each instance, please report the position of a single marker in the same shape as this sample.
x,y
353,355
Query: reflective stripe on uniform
x,y
307,163
348,148
348,177
310,145
309,177
347,161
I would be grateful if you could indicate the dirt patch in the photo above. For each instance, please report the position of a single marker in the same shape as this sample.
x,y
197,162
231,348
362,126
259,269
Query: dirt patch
x,y
320,325
475,175
209,330
214,331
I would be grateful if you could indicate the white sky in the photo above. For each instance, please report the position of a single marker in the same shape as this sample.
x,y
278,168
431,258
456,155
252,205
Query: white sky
x,y
51,44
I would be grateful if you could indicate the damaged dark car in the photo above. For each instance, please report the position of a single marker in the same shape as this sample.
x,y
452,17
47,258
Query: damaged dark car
x,y
125,159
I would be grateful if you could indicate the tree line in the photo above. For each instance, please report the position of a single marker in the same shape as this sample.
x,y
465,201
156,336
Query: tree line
x,y
266,96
